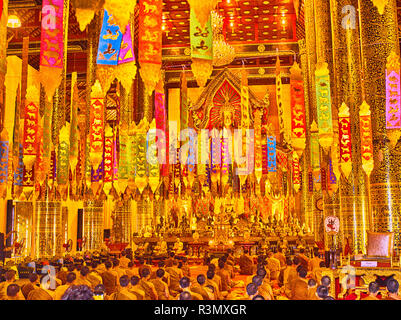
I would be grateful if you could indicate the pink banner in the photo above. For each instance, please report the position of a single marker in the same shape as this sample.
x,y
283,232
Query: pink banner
x,y
51,48
160,117
126,51
393,98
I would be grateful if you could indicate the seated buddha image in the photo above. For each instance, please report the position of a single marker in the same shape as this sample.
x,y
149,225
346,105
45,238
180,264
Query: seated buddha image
x,y
178,247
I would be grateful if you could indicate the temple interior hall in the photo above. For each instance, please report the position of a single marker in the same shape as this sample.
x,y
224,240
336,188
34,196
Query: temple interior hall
x,y
200,150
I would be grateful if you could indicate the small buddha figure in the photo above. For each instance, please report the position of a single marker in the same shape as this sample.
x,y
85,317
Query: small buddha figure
x,y
161,248
178,246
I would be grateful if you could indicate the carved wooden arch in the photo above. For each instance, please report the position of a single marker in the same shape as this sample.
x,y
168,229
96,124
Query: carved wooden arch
x,y
206,112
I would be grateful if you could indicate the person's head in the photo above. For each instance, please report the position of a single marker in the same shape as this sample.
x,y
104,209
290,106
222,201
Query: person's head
x,y
33,278
71,267
261,272
84,271
374,288
123,253
326,281
116,263
184,282
12,290
134,280
201,279
141,261
251,289
270,254
124,281
257,280
71,276
185,295
108,264
180,264
322,264
258,297
160,264
100,289
296,261
329,298
10,275
279,249
312,283
94,264
130,264
82,292
392,286
145,273
221,264
302,272
160,273
322,292
210,274
212,267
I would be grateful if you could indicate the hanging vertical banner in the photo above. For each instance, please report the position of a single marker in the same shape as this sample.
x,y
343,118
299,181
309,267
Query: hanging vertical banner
x,y
310,182
298,123
245,121
393,98
63,158
296,172
152,159
126,69
161,124
150,42
201,37
132,158
271,154
19,171
315,155
109,41
141,178
115,164
125,156
74,123
279,97
126,53
332,186
225,156
282,160
108,160
47,134
31,120
265,161
52,45
201,166
40,171
258,145
16,133
323,180
184,102
323,99
96,130
344,131
52,168
365,125
215,147
4,156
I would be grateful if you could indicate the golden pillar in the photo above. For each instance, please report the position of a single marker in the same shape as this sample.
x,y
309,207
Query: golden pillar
x,y
93,225
346,81
379,37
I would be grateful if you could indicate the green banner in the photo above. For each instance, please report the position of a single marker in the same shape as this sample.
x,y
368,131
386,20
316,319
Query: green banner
x,y
201,38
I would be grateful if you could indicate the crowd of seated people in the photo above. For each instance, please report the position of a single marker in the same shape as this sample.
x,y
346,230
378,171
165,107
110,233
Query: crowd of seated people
x,y
273,276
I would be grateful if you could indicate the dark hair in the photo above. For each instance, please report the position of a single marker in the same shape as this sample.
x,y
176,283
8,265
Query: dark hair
x,y
312,282
373,287
82,292
329,298
160,273
180,264
257,280
84,271
141,261
258,297
288,261
116,262
71,268
302,272
160,264
246,251
210,287
124,281
261,272
221,264
184,282
210,274
130,264
123,253
251,289
10,274
326,281
107,264
392,285
185,295
94,264
99,289
71,277
134,280
12,290
322,292
315,252
33,277
145,272
212,267
296,260
201,279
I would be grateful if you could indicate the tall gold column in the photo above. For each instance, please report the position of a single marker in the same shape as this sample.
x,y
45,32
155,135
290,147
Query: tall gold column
x,y
346,81
379,39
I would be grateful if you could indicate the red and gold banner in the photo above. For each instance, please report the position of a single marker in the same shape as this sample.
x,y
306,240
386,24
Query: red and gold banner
x,y
344,131
96,130
161,125
279,97
52,45
298,123
150,42
31,121
296,172
108,160
365,125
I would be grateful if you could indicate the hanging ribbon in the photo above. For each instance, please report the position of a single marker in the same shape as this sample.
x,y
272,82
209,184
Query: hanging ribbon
x,y
74,123
201,37
323,98
141,178
63,159
365,125
96,177
296,173
279,97
4,157
315,155
115,164
344,130
52,45
258,145
335,160
31,126
161,124
52,168
150,42
298,124
96,130
40,171
282,159
153,162
332,186
271,154
108,160
215,148
125,157
184,102
225,156
132,156
19,174
201,167
47,135
393,98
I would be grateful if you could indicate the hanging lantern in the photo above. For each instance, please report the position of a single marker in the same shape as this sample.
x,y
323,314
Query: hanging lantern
x,y
150,42
365,124
201,36
298,124
31,126
96,130
52,45
323,98
344,130
4,157
393,98
108,160
85,10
